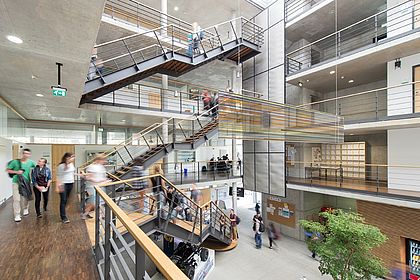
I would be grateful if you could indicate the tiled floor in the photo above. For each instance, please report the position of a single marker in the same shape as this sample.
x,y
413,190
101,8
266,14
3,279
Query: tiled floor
x,y
45,248
289,261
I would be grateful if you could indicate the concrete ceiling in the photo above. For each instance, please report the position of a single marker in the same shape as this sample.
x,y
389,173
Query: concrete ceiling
x,y
322,22
221,10
52,31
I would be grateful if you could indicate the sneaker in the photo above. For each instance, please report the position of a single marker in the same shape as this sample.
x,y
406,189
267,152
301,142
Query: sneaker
x,y
39,216
25,212
45,209
18,219
66,221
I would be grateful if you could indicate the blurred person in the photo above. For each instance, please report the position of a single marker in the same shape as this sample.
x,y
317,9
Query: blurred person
x,y
257,208
196,194
272,235
158,188
96,174
41,181
65,182
175,204
206,215
20,168
206,98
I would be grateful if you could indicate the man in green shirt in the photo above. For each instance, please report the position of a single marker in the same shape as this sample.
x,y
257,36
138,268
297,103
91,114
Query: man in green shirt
x,y
22,167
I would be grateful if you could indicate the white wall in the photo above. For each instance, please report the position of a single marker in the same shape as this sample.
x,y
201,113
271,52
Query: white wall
x,y
399,19
40,151
404,149
400,99
5,181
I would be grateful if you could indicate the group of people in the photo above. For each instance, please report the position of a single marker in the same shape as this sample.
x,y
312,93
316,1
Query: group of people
x,y
220,164
259,228
35,179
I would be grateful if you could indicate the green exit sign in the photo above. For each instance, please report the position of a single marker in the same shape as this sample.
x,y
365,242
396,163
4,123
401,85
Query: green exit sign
x,y
58,91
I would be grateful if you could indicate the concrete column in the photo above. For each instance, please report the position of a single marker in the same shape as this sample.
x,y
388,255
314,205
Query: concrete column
x,y
165,139
164,18
165,86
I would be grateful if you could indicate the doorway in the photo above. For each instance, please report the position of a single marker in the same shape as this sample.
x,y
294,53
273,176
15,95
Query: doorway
x,y
57,152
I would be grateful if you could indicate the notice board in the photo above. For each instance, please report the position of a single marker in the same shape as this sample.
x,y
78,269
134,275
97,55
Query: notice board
x,y
281,212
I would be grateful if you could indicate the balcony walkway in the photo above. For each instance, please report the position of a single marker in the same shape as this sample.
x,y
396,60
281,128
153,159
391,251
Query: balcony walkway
x,y
45,248
359,186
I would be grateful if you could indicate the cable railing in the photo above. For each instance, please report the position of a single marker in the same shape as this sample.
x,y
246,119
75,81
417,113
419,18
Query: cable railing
x,y
365,33
167,40
124,213
141,15
145,96
294,8
371,105
349,172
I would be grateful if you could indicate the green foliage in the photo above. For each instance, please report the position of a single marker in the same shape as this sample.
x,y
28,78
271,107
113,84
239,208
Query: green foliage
x,y
345,246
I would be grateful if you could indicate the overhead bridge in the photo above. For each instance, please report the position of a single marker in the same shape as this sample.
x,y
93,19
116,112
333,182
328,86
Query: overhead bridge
x,y
170,50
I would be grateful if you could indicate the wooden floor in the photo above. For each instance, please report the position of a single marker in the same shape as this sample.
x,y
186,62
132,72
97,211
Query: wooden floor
x,y
357,185
45,249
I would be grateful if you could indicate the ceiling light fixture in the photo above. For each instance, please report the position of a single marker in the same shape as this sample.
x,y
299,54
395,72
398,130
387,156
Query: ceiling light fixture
x,y
332,72
34,77
307,81
14,39
39,95
123,120
176,8
351,81
300,84
351,134
342,77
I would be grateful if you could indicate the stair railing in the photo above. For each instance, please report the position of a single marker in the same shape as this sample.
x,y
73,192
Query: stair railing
x,y
167,40
219,224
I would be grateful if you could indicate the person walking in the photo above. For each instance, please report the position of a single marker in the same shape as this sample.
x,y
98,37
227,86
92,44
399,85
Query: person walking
x,y
41,181
158,188
233,221
271,235
65,182
20,167
96,174
258,229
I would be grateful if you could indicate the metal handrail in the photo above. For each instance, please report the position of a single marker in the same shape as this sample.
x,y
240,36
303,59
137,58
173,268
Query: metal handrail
x,y
158,257
347,27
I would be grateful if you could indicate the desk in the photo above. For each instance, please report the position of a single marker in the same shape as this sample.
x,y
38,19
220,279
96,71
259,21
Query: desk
x,y
311,169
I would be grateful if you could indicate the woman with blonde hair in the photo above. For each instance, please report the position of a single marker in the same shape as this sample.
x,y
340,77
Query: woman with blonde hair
x,y
158,187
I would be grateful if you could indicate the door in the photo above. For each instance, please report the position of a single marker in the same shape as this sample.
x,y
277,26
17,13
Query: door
x,y
57,152
416,87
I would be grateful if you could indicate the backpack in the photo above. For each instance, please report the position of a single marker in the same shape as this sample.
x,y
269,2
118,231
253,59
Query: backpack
x,y
20,167
262,227
238,220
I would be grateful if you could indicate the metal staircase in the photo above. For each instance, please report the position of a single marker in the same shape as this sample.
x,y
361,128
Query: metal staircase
x,y
170,49
148,146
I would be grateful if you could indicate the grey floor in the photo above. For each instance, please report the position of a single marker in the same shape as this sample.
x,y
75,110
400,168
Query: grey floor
x,y
289,261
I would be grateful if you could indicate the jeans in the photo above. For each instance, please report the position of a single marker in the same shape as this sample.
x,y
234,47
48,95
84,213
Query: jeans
x,y
258,240
64,196
38,199
18,201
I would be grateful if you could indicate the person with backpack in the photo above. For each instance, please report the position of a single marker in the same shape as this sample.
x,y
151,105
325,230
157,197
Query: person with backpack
x,y
258,229
41,181
19,170
234,219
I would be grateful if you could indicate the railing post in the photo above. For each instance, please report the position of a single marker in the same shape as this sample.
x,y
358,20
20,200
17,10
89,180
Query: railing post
x,y
97,234
338,44
182,172
198,171
376,29
139,94
201,223
140,262
377,179
180,102
173,131
107,247
376,105
311,173
161,99
113,98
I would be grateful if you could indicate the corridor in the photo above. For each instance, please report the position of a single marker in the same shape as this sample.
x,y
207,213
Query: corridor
x,y
45,248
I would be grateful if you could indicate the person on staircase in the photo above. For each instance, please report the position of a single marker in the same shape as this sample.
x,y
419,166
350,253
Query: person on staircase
x,y
20,167
175,204
158,188
233,221
41,181
65,182
96,174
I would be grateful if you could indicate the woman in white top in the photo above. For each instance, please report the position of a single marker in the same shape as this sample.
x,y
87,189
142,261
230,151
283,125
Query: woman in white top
x,y
96,174
65,182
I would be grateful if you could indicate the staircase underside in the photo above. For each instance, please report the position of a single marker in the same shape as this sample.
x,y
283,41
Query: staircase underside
x,y
171,63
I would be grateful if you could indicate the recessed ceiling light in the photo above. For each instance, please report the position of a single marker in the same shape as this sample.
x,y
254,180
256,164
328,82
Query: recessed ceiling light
x,y
351,134
39,95
332,72
176,8
14,39
307,81
34,77
123,120
351,81
300,84
342,77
